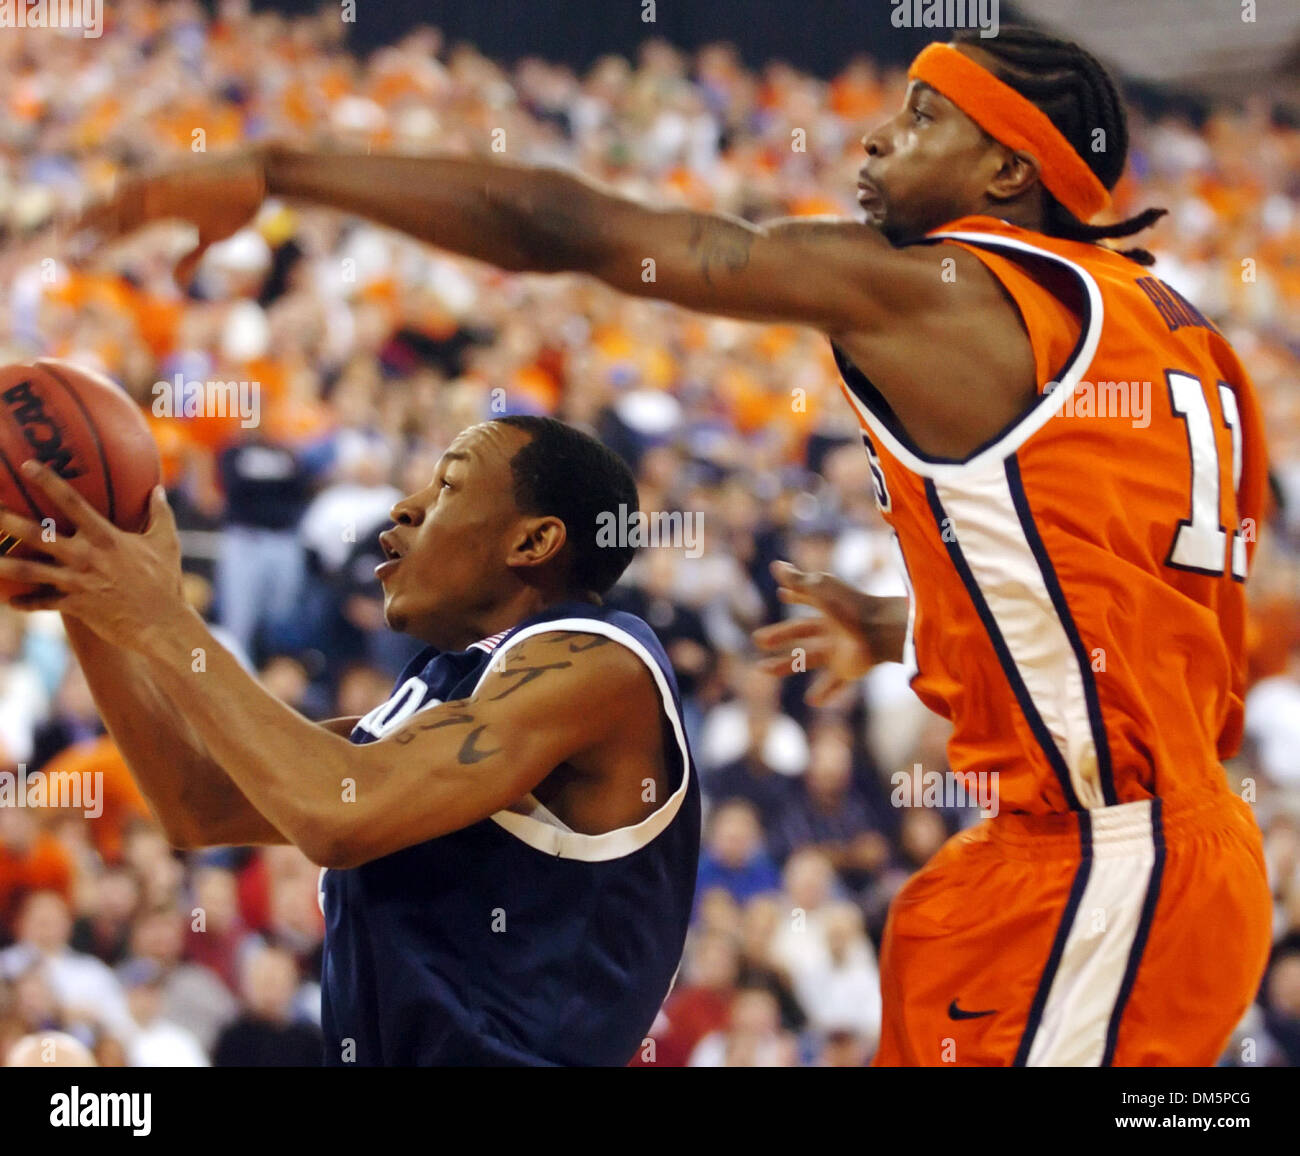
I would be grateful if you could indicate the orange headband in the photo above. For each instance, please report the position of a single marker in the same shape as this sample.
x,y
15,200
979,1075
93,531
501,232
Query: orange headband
x,y
1015,122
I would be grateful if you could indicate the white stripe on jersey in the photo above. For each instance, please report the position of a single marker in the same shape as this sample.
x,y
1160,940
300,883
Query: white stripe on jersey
x,y
1086,987
988,531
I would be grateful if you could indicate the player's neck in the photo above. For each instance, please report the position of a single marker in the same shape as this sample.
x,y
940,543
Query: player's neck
x,y
1025,212
495,620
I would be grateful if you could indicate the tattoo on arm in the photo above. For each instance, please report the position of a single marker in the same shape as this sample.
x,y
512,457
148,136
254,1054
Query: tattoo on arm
x,y
409,734
469,752
720,244
590,641
529,673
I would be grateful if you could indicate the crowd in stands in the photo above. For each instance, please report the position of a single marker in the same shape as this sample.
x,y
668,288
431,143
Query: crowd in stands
x,y
366,353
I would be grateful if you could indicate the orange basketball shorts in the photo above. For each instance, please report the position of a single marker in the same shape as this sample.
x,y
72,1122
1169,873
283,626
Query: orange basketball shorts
x,y
1134,935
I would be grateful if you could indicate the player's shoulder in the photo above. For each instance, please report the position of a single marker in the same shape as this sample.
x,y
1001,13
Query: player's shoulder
x,y
590,619
1020,244
610,644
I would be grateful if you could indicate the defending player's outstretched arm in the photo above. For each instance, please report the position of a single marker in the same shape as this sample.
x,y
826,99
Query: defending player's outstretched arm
x,y
898,312
833,273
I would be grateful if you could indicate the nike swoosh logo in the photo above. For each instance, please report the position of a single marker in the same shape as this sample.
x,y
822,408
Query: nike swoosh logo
x,y
956,1013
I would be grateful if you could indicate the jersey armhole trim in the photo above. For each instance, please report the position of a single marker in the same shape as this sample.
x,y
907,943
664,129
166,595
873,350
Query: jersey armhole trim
x,y
1007,440
622,841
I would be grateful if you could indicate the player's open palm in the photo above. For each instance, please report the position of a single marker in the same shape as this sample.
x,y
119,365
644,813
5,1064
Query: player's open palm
x,y
850,633
218,195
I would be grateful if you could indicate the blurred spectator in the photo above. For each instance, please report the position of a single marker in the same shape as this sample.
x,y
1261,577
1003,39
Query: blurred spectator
x,y
31,859
193,997
265,1035
1273,723
83,985
758,968
49,1050
841,989
73,718
753,1037
217,934
753,722
733,857
700,1002
800,940
118,801
1281,1000
260,569
751,779
105,930
843,1049
155,1042
827,811
23,699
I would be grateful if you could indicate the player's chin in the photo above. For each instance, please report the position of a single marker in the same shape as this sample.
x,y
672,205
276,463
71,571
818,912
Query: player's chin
x,y
395,616
874,214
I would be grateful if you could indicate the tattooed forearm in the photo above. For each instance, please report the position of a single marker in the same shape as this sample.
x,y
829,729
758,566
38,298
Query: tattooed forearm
x,y
720,244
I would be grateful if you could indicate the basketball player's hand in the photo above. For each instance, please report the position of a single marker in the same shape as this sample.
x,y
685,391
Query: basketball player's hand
x,y
850,633
218,195
123,586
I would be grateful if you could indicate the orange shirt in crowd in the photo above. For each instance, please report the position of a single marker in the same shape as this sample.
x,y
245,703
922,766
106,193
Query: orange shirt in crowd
x,y
44,866
121,798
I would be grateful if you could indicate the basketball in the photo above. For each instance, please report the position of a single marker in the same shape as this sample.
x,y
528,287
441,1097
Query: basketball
x,y
88,431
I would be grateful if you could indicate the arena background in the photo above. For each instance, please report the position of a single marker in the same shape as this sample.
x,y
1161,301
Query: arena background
x,y
368,352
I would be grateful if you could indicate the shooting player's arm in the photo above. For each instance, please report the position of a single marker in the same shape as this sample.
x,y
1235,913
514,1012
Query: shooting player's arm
x,y
193,799
555,701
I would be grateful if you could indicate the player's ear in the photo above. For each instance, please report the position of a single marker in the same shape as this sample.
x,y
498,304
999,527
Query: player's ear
x,y
538,540
1018,172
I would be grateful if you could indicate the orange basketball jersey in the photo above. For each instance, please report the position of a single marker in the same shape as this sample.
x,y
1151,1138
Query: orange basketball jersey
x,y
1077,605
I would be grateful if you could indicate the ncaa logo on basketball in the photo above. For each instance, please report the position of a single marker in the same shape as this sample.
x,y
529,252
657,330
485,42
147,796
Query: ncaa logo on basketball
x,y
39,430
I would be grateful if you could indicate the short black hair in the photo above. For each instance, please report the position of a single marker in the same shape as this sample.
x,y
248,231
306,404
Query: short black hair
x,y
565,473
1072,88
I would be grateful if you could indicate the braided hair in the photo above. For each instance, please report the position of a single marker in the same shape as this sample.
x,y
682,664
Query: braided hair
x,y
1077,95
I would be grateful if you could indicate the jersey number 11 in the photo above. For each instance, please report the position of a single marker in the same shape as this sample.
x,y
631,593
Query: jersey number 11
x,y
1201,541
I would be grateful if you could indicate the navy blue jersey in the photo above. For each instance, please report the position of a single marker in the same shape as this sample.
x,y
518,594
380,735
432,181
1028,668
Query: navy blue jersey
x,y
515,940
